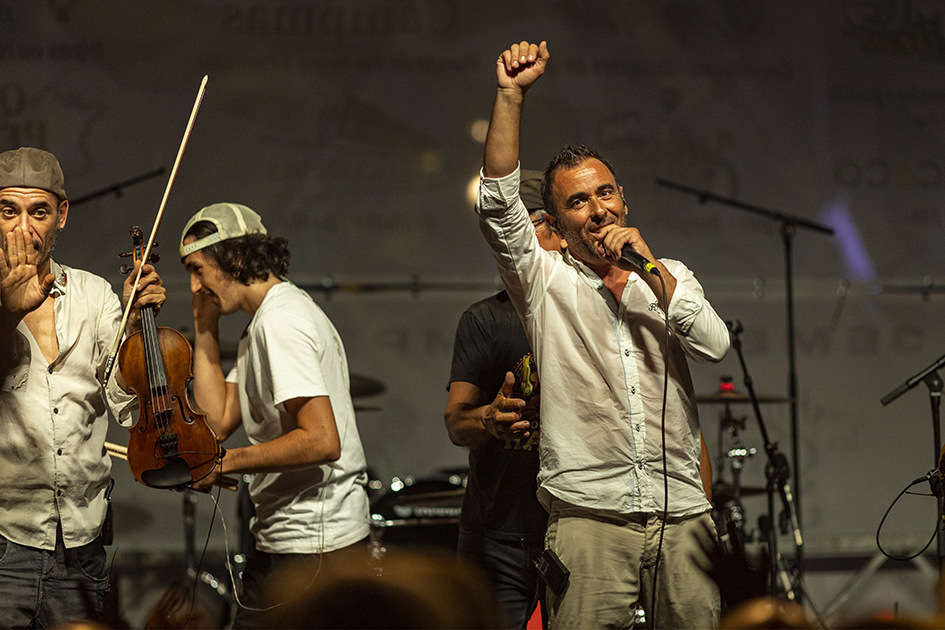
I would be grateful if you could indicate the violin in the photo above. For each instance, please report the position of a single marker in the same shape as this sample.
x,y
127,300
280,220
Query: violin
x,y
171,445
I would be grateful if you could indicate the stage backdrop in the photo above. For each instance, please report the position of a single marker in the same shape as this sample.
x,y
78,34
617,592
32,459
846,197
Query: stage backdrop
x,y
355,129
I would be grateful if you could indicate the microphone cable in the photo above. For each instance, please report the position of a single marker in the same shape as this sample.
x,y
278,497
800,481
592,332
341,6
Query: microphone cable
x,y
933,479
659,547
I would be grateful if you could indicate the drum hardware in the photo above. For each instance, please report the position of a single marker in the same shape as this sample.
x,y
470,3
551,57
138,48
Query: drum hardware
x,y
726,497
777,473
415,512
728,396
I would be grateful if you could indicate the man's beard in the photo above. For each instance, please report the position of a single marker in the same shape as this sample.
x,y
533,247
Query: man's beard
x,y
579,247
45,250
584,247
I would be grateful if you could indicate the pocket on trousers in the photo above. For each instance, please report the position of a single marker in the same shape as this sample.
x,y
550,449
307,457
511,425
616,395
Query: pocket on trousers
x,y
91,561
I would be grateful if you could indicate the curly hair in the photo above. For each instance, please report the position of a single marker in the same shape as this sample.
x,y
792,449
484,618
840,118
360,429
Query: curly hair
x,y
568,157
249,258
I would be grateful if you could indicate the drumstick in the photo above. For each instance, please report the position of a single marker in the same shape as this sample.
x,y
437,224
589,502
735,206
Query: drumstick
x,y
121,452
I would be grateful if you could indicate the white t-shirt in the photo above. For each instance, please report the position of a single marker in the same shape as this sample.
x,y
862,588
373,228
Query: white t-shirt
x,y
289,350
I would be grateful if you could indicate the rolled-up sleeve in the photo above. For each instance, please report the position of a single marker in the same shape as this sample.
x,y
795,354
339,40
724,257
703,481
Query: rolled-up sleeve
x,y
703,334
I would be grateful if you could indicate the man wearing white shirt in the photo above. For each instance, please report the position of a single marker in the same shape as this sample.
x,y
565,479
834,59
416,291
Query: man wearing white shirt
x,y
289,392
57,324
597,325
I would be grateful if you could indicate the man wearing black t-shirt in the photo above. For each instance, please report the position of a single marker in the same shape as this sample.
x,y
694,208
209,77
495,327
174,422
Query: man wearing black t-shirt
x,y
502,524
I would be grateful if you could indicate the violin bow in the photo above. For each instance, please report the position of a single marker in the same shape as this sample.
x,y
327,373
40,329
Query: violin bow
x,y
157,224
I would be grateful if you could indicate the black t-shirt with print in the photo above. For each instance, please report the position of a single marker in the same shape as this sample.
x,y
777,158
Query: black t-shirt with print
x,y
500,499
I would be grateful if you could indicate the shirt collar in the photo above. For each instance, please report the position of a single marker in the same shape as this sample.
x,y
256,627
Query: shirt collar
x,y
586,273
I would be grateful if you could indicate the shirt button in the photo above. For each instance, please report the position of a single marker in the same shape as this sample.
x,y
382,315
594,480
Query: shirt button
x,y
50,369
59,493
626,352
633,389
59,452
636,427
55,410
640,465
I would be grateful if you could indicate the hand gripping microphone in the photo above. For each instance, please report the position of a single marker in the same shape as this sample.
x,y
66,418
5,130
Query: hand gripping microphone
x,y
632,256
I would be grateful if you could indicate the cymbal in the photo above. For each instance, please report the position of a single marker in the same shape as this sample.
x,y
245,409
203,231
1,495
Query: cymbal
x,y
367,408
745,491
732,396
365,385
723,492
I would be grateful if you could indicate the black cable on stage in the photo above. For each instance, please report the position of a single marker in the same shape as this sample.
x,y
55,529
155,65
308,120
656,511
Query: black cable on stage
x,y
928,477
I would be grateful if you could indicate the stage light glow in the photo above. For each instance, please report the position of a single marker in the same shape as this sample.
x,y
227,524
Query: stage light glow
x,y
472,190
856,259
478,130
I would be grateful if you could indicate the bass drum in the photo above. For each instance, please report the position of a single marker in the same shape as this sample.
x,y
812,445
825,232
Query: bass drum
x,y
420,513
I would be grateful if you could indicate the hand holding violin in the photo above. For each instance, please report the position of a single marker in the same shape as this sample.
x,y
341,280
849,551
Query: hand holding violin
x,y
151,292
214,477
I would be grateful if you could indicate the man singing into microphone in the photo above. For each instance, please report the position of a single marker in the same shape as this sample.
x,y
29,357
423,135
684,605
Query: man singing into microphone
x,y
597,325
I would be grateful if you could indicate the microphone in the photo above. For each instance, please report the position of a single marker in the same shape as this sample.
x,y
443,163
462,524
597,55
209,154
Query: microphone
x,y
633,256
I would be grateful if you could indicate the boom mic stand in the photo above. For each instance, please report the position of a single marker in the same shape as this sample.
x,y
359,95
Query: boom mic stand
x,y
933,381
789,225
116,189
777,473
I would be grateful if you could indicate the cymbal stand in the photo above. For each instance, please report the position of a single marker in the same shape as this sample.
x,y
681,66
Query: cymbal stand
x,y
777,473
735,454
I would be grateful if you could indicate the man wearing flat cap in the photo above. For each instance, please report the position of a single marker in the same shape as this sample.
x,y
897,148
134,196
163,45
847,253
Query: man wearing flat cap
x,y
289,391
57,324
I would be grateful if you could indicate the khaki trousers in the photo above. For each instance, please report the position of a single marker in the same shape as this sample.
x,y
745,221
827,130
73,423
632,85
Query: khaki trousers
x,y
612,559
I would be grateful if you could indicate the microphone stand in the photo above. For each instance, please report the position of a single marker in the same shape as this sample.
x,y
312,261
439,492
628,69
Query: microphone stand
x,y
117,189
933,381
789,225
777,473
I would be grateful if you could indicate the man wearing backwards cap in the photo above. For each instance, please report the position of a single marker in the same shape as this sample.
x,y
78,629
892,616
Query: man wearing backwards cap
x,y
57,325
290,392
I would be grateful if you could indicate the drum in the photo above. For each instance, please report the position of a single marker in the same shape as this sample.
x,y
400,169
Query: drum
x,y
420,513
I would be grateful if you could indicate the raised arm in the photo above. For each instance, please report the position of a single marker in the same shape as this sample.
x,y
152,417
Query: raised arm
x,y
516,70
215,397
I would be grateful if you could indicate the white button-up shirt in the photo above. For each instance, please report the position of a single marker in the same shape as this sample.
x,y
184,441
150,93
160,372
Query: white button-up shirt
x,y
53,465
601,365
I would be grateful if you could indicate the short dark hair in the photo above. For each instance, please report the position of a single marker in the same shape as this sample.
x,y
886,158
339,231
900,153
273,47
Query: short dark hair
x,y
247,258
568,157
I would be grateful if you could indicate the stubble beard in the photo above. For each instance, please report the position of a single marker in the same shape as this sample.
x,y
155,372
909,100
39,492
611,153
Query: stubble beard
x,y
45,250
584,247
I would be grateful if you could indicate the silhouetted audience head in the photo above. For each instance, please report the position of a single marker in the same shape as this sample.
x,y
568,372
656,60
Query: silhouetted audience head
x,y
766,612
407,589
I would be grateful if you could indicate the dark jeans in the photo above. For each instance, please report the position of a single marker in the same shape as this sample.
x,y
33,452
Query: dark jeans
x,y
510,566
261,566
43,589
